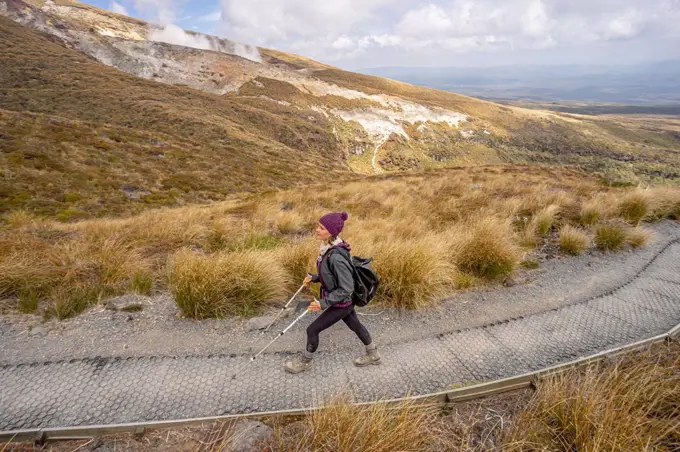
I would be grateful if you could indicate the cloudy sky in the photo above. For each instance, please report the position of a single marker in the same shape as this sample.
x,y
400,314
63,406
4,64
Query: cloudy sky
x,y
370,33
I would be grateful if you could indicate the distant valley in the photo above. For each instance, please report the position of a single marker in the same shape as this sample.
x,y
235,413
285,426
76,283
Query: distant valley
x,y
653,84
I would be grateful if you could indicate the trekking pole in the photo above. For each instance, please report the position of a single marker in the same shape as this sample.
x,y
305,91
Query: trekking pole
x,y
284,308
280,334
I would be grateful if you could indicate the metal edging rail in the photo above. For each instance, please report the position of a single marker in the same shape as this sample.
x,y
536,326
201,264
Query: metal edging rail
x,y
41,435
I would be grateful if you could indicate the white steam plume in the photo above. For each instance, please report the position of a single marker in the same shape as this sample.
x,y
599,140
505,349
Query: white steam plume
x,y
172,34
248,52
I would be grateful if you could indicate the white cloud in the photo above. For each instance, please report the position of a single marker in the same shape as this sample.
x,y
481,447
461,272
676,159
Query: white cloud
x,y
424,22
261,21
343,42
535,20
161,11
344,30
213,16
118,9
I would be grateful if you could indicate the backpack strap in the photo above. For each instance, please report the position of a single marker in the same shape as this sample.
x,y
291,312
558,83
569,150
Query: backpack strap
x,y
346,255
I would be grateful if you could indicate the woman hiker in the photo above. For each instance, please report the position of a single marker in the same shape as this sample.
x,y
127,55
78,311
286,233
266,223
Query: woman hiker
x,y
337,283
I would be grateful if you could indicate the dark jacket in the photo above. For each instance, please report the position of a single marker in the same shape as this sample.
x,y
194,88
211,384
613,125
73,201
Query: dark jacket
x,y
335,276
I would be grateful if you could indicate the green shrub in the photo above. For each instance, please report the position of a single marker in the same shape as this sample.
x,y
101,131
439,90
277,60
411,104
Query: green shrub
x,y
67,215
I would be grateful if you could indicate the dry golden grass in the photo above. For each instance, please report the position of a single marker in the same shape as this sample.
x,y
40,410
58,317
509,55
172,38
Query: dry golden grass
x,y
414,273
665,202
634,206
228,283
573,241
485,247
429,234
633,405
545,219
297,260
639,237
610,236
343,427
600,207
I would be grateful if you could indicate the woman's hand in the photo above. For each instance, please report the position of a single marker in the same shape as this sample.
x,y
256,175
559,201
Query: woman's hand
x,y
314,306
307,281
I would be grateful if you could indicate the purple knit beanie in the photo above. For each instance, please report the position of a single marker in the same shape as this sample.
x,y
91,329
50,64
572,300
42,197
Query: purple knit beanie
x,y
334,222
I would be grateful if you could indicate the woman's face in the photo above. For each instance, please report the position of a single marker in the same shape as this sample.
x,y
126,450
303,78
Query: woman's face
x,y
322,233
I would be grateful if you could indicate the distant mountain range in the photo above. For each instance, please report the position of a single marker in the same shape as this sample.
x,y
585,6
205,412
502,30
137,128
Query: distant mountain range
x,y
646,84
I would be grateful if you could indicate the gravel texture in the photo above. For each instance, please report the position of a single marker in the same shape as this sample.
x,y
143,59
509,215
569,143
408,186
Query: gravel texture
x,y
160,330
102,390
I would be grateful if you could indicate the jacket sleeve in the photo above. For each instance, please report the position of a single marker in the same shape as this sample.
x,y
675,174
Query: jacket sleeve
x,y
345,281
315,278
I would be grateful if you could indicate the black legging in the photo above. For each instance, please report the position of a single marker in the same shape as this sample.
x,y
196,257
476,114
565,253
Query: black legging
x,y
330,317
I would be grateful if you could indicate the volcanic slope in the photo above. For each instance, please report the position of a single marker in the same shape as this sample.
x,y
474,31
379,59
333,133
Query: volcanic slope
x,y
78,136
184,125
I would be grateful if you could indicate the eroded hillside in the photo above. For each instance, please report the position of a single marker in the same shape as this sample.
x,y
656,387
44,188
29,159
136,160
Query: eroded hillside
x,y
197,123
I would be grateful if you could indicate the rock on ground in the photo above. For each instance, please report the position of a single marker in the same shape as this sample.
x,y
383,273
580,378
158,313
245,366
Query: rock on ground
x,y
249,435
258,323
127,302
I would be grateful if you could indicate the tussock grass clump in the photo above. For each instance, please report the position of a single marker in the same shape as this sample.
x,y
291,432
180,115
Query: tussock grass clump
x,y
464,224
600,207
67,302
290,223
297,260
639,237
485,248
545,219
590,215
610,236
29,301
230,283
413,273
631,406
634,206
665,202
253,240
675,212
18,218
342,427
573,241
465,280
141,283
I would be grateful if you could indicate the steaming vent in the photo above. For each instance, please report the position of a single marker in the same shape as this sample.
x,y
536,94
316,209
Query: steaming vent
x,y
172,34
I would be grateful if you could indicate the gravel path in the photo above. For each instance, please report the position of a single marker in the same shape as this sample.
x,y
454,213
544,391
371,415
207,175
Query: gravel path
x,y
99,390
158,329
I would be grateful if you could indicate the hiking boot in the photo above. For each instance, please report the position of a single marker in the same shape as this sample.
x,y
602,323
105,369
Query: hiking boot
x,y
301,364
371,357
